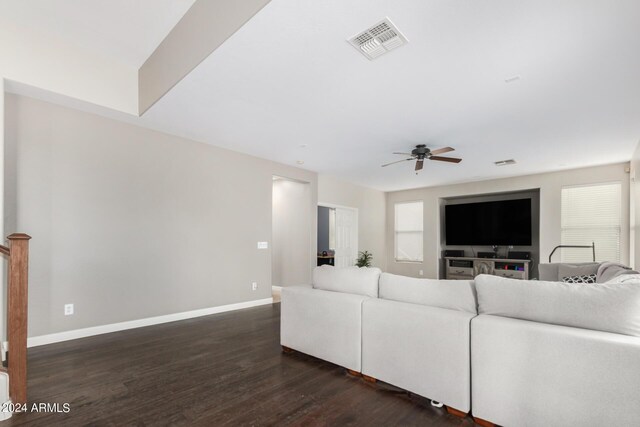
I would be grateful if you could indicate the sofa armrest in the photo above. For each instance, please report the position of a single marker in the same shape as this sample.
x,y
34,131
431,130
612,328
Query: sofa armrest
x,y
324,324
548,272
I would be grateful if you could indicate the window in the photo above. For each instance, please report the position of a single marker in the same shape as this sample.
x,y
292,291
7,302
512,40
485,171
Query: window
x,y
591,213
408,227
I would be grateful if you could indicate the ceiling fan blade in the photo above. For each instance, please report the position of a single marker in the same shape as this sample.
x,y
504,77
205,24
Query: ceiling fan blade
x,y
419,165
404,154
393,163
442,150
445,159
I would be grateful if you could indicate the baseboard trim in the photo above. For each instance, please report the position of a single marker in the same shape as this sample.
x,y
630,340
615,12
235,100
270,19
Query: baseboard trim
x,y
132,324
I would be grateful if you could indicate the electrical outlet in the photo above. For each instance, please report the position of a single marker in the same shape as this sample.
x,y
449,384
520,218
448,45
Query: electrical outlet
x,y
254,286
421,272
68,309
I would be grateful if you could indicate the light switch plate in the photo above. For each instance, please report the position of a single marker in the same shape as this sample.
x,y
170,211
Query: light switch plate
x,y
263,245
68,309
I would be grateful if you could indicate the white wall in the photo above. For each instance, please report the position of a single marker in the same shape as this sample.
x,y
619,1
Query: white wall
x,y
33,58
292,217
128,223
550,185
634,195
371,213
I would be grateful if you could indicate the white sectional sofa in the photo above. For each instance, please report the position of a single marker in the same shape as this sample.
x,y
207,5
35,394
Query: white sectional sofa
x,y
513,352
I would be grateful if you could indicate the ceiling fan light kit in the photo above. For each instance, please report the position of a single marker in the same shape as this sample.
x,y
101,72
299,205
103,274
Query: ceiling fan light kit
x,y
421,152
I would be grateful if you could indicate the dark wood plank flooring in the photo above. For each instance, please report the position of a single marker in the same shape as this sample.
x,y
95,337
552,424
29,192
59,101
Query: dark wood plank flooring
x,y
224,369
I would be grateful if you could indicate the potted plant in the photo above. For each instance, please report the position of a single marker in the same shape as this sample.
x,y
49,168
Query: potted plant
x,y
364,259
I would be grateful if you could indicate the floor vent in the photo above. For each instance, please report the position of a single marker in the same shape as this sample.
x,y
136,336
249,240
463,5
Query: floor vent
x,y
378,40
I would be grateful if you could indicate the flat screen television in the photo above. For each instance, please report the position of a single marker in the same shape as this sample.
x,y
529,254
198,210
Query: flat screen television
x,y
505,222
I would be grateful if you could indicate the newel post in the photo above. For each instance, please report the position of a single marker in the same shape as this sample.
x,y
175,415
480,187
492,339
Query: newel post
x,y
17,316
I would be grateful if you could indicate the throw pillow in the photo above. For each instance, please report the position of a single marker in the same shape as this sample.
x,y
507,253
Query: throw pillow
x,y
587,278
568,270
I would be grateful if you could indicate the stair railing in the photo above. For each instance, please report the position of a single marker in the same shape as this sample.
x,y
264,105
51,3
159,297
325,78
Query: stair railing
x,y
17,298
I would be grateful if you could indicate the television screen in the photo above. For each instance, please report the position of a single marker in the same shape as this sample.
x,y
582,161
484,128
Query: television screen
x,y
506,222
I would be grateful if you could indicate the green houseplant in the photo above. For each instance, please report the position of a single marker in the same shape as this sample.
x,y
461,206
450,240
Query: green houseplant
x,y
364,259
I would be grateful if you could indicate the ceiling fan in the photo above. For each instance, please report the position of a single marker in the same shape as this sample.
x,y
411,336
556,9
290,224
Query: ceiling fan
x,y
421,152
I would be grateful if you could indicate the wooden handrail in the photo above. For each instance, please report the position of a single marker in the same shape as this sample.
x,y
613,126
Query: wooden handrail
x,y
18,252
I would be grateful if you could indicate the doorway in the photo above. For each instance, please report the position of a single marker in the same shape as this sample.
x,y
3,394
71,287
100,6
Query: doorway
x,y
337,235
291,232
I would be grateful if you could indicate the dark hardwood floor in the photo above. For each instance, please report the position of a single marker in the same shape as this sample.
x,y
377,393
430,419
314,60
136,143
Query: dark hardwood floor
x,y
224,369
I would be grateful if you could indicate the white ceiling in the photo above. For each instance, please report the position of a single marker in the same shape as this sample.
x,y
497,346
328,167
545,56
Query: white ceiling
x,y
125,30
289,77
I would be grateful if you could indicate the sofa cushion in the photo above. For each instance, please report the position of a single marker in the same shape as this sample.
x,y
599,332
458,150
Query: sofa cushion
x,y
352,280
604,307
451,294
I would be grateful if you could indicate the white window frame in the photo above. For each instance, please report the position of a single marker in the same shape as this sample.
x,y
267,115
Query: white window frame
x,y
565,257
396,232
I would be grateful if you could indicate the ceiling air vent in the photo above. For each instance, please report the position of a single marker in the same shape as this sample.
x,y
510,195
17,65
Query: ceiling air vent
x,y
505,162
379,39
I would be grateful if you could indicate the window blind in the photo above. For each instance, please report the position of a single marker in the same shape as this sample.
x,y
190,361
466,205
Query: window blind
x,y
408,231
591,213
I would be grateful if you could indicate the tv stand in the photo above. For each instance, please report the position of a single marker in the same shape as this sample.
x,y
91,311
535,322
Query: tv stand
x,y
466,268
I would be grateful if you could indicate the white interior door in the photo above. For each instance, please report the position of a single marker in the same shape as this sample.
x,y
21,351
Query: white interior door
x,y
346,243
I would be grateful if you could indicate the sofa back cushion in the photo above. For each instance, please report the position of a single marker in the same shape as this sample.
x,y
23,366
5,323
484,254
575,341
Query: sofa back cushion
x,y
608,307
351,280
451,294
